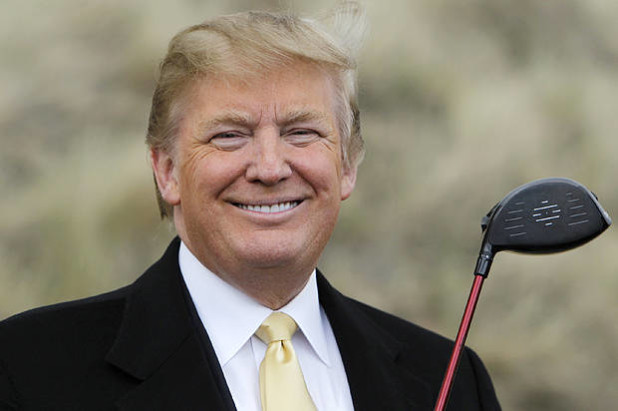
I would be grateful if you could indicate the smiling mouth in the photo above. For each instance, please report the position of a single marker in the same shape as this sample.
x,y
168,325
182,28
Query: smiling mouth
x,y
269,208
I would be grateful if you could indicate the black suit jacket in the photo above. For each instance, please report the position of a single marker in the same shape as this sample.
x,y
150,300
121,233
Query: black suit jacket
x,y
142,347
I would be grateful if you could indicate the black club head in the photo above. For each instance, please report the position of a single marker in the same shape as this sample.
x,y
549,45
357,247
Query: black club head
x,y
543,216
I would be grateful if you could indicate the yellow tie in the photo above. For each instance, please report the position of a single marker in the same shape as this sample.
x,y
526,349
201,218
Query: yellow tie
x,y
282,386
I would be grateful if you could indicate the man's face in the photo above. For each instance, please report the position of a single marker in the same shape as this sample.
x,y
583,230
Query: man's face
x,y
257,177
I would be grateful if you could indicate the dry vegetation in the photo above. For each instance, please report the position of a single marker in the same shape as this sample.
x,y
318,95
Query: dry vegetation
x,y
462,102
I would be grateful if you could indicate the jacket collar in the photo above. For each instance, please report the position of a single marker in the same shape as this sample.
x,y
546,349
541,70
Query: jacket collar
x,y
371,357
159,344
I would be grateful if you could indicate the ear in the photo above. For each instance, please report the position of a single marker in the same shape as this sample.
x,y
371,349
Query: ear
x,y
348,181
165,173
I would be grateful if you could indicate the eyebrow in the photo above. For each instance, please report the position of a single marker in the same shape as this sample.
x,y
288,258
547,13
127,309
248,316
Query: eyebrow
x,y
246,120
228,117
299,116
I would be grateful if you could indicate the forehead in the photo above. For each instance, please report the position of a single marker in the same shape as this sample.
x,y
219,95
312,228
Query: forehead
x,y
298,88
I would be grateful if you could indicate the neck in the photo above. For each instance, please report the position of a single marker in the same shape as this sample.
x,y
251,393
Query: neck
x,y
272,289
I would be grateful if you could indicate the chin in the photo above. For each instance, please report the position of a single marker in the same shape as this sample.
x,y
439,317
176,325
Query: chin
x,y
269,259
268,256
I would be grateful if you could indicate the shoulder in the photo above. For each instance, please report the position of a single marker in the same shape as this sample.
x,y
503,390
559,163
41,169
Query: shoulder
x,y
85,317
58,356
409,334
45,350
426,354
394,323
65,318
60,331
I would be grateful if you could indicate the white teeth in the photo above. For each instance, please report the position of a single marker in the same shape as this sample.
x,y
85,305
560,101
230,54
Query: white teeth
x,y
275,208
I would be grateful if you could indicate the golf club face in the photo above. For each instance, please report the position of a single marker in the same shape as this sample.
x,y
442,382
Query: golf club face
x,y
545,216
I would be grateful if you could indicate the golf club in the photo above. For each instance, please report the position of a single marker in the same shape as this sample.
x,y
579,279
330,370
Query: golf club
x,y
544,216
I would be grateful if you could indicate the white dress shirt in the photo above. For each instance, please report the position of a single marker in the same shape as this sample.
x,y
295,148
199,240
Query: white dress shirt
x,y
231,318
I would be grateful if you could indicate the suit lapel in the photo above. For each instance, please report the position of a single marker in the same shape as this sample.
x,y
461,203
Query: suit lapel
x,y
159,344
370,356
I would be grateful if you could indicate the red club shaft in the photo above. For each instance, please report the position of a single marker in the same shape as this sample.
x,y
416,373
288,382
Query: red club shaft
x,y
449,376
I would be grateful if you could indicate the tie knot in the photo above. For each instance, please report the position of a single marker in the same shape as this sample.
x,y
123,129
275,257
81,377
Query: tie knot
x,y
278,326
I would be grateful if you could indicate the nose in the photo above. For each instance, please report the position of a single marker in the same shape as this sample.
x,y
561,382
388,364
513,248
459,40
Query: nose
x,y
269,164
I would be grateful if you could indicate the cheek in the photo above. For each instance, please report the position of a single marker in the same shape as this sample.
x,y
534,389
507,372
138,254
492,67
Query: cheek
x,y
207,173
321,168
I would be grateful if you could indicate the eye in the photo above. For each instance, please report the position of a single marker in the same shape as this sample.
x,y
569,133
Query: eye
x,y
227,134
228,140
302,136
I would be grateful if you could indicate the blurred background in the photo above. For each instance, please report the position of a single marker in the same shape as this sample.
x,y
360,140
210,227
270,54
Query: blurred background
x,y
461,102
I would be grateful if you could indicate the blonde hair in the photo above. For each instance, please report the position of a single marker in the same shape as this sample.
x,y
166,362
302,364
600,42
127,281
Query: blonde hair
x,y
247,44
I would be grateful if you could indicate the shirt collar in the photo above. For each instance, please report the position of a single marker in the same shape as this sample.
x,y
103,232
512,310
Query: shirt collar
x,y
231,317
305,310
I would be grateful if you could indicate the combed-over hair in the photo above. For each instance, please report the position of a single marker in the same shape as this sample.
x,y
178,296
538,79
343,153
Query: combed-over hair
x,y
249,44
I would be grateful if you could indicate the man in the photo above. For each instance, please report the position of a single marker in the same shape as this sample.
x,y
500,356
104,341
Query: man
x,y
254,142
